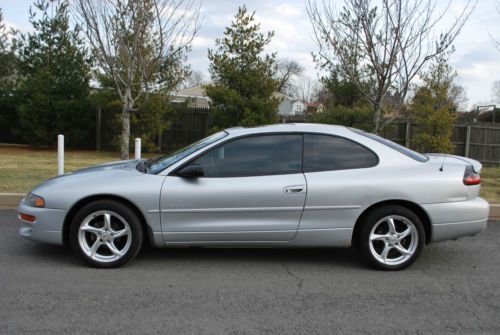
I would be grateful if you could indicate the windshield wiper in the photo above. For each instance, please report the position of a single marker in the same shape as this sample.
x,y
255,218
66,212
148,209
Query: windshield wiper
x,y
145,165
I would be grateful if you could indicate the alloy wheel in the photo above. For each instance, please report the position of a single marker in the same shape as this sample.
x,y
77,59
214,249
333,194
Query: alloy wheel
x,y
104,236
393,240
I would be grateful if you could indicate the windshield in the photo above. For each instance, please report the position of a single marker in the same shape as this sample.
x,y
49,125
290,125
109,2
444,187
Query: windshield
x,y
401,149
156,165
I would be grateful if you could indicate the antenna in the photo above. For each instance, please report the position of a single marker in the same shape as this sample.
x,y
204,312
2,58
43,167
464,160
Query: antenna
x,y
442,163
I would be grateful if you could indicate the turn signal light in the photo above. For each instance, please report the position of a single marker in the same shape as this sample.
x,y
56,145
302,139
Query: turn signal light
x,y
35,201
27,217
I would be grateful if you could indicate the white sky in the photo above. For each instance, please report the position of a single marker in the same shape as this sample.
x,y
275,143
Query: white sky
x,y
476,60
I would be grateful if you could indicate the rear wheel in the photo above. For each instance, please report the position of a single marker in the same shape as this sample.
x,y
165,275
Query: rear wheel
x,y
391,238
106,234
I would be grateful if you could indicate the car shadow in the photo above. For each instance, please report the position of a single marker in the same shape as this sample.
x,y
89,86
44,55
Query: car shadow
x,y
338,257
148,256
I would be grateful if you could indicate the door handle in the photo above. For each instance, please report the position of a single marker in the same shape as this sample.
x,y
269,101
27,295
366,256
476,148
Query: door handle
x,y
294,189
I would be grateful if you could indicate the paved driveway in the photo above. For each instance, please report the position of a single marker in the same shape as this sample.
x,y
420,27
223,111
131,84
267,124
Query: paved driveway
x,y
454,287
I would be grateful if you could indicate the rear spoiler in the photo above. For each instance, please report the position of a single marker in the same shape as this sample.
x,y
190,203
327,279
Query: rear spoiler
x,y
477,166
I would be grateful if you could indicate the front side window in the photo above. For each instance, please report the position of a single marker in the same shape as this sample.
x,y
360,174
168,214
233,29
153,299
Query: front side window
x,y
159,164
254,156
327,153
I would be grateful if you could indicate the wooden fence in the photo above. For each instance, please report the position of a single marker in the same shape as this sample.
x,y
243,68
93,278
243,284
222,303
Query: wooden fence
x,y
480,142
190,126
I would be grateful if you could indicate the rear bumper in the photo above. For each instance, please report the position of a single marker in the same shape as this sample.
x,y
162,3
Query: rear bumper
x,y
47,226
452,220
451,231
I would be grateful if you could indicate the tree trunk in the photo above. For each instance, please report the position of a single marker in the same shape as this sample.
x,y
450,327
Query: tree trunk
x,y
125,137
376,117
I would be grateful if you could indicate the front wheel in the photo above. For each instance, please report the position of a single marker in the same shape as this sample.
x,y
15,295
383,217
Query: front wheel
x,y
106,234
391,238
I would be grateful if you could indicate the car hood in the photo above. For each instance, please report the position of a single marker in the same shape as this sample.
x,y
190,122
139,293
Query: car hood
x,y
113,166
99,173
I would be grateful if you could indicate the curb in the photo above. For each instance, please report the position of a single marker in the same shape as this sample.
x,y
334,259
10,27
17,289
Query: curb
x,y
11,200
494,212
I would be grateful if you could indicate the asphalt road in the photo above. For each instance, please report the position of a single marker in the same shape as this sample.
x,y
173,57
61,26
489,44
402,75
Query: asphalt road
x,y
453,288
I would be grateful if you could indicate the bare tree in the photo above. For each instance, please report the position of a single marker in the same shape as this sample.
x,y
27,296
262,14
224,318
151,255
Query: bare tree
x,y
139,45
495,91
305,89
495,40
382,45
458,95
4,34
7,38
195,78
8,58
285,73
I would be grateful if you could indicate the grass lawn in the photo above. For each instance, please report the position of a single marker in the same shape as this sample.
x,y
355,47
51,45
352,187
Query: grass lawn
x,y
490,184
23,168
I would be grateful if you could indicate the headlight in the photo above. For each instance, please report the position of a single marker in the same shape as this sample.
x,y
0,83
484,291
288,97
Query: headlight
x,y
34,200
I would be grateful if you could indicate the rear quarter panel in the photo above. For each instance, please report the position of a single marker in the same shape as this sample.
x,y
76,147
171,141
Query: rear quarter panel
x,y
336,199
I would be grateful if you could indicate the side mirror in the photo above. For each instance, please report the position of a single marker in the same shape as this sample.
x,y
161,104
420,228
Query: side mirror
x,y
191,171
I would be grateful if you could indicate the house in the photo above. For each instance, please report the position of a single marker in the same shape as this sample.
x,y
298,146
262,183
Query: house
x,y
289,106
314,107
194,96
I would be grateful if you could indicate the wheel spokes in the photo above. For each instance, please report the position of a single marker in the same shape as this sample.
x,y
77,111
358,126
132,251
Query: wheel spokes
x,y
101,241
90,229
107,221
405,233
377,237
401,249
392,226
120,233
95,246
393,232
385,252
113,249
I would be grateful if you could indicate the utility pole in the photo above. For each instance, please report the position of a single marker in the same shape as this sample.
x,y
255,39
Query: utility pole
x,y
486,106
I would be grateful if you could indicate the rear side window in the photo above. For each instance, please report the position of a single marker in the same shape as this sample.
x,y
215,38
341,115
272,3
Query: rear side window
x,y
254,156
326,153
399,148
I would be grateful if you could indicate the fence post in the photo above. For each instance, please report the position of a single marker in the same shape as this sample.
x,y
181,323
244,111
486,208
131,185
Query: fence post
x,y
137,148
467,141
407,134
98,129
60,154
160,141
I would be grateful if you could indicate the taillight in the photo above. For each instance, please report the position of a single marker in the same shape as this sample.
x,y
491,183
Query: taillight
x,y
471,177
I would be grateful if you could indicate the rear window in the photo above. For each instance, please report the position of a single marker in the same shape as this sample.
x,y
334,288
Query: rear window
x,y
399,148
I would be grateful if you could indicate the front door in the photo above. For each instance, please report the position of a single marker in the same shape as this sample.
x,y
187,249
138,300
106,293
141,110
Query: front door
x,y
253,189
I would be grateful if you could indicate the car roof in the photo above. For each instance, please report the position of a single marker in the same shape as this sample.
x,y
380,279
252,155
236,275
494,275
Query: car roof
x,y
287,127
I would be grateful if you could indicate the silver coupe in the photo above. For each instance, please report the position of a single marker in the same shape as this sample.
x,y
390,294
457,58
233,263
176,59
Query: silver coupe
x,y
290,185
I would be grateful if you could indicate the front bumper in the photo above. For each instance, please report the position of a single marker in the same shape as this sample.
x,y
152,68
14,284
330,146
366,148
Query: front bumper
x,y
452,220
47,227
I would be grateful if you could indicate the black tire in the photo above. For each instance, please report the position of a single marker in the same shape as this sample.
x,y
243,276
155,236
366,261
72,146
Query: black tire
x,y
119,215
403,219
